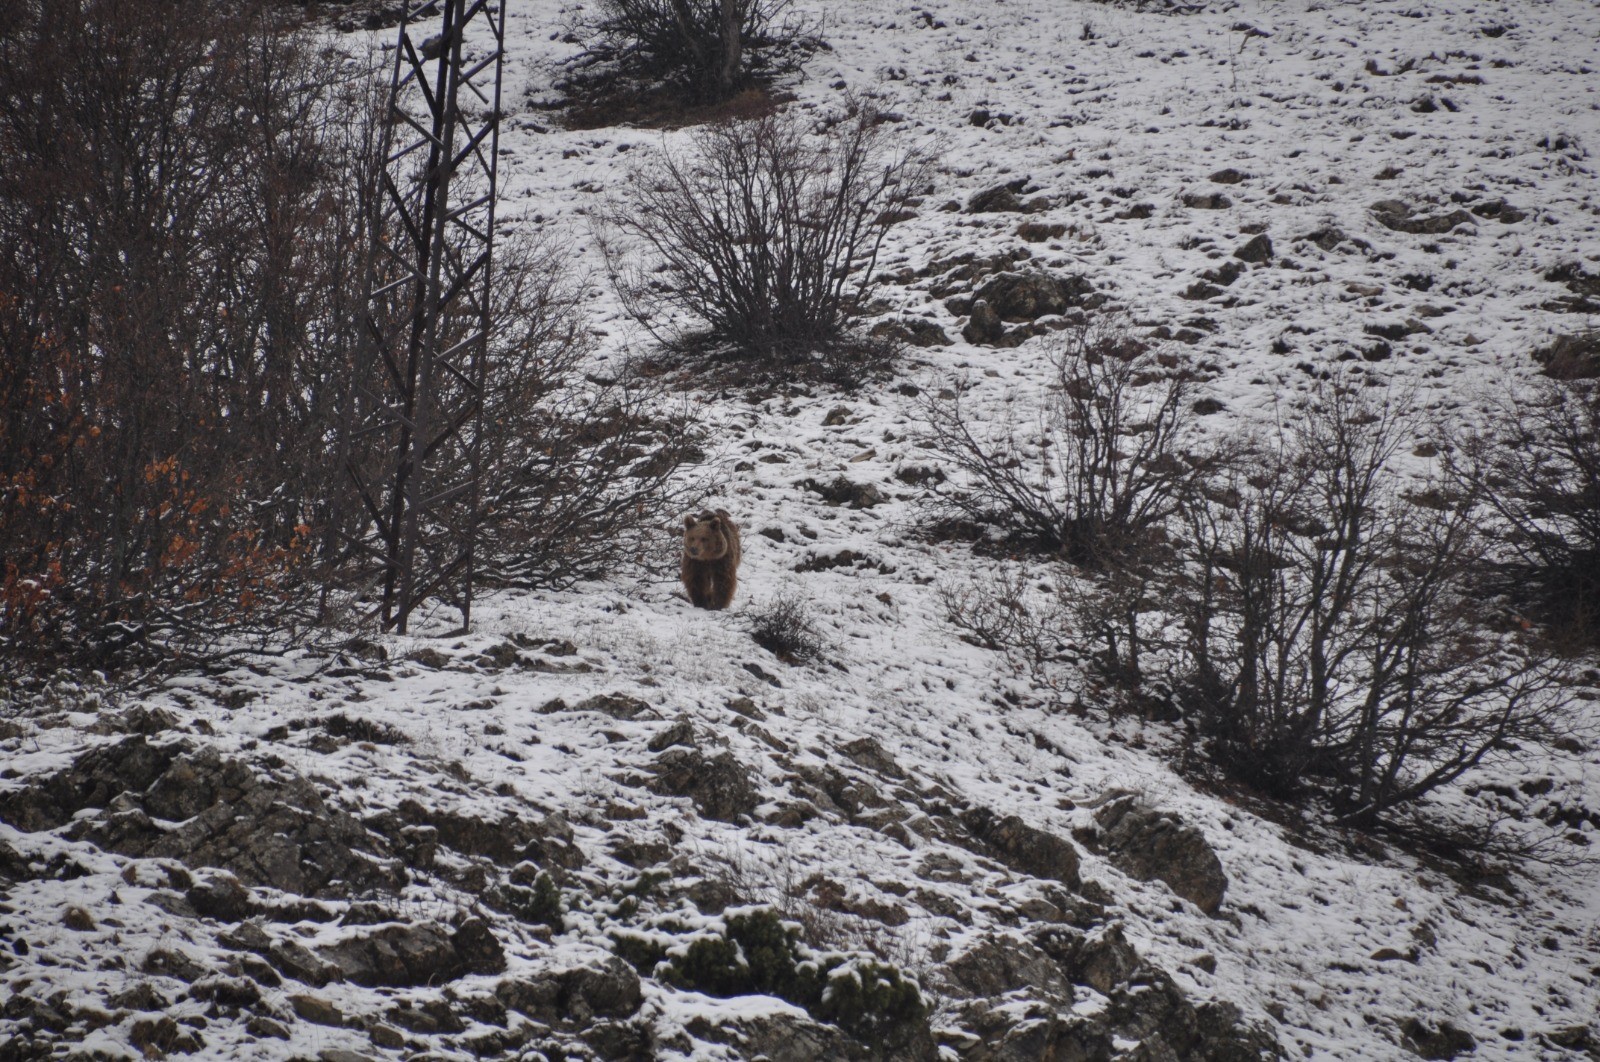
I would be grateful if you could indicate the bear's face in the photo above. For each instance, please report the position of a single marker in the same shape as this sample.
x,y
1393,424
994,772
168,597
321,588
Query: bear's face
x,y
704,539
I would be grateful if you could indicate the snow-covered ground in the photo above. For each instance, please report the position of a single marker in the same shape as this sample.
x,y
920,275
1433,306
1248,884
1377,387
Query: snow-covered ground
x,y
1322,108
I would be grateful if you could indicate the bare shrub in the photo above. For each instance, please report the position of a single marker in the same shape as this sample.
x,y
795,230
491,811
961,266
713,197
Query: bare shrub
x,y
786,627
766,233
1106,464
578,470
1335,639
702,50
1538,470
999,613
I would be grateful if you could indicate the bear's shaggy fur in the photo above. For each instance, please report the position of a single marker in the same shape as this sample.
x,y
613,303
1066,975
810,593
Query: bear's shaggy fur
x,y
710,559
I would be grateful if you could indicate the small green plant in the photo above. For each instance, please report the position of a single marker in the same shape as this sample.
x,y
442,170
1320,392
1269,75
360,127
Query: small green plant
x,y
871,1001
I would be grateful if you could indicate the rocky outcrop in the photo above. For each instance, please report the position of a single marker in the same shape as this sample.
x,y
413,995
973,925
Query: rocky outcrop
x,y
1002,964
1151,844
425,953
1400,217
1030,295
719,785
262,822
1022,847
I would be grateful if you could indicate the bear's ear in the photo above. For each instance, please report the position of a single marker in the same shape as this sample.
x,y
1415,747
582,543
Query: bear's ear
x,y
688,522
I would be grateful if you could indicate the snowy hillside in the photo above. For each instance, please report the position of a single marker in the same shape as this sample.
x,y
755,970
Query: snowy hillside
x,y
437,846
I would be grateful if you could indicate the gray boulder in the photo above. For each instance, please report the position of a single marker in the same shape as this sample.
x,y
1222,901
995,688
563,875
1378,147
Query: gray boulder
x,y
1157,845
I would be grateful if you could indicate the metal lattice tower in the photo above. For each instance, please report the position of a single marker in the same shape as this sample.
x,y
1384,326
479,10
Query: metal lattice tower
x,y
411,440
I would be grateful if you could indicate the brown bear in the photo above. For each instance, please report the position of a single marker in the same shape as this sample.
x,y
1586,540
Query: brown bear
x,y
710,559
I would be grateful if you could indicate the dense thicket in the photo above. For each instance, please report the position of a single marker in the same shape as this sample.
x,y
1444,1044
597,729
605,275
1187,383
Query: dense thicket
x,y
179,194
182,270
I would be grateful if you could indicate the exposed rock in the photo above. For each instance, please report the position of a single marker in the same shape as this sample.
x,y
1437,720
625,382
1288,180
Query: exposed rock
x,y
1151,844
1228,1038
679,733
425,953
169,962
507,839
1002,198
610,989
1102,959
342,1054
260,1026
1031,295
1000,964
1228,176
984,326
93,780
1150,1007
1039,231
220,896
1501,211
842,491
141,995
162,1036
267,825
1256,250
228,991
1585,288
1225,274
429,658
1029,1032
782,1036
719,785
872,755
1441,1041
616,705
1024,848
1206,201
316,1010
914,331
1393,214
1572,357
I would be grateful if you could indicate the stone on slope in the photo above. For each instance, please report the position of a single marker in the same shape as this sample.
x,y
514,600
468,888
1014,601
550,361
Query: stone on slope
x,y
1151,844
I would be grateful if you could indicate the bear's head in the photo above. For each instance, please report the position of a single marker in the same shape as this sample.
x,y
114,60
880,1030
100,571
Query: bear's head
x,y
705,537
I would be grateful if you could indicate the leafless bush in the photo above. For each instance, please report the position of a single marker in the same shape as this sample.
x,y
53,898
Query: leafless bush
x,y
1334,635
579,470
1101,471
786,627
1538,470
997,614
705,50
767,233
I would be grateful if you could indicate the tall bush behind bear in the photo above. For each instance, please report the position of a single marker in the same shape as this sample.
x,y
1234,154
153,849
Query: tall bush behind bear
x,y
710,559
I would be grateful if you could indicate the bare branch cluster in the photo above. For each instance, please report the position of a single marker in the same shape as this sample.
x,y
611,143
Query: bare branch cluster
x,y
1100,471
1538,470
704,49
1324,627
1334,634
767,233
